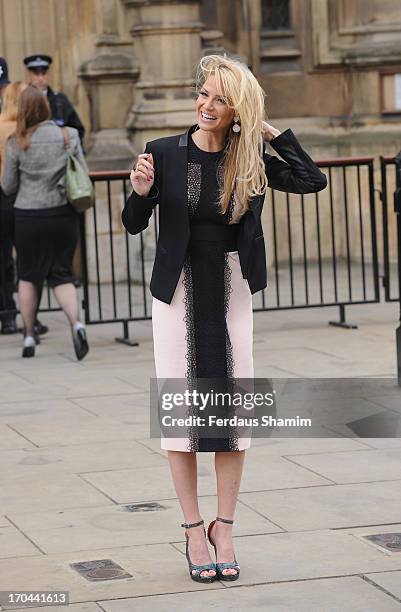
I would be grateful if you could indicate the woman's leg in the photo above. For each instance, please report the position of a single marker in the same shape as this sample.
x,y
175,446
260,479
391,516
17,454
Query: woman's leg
x,y
229,466
28,303
183,466
67,297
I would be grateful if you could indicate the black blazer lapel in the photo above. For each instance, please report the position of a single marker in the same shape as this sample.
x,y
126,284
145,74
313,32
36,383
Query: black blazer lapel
x,y
176,166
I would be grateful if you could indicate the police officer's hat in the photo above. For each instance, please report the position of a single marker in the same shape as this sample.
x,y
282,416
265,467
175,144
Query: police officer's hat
x,y
38,61
3,72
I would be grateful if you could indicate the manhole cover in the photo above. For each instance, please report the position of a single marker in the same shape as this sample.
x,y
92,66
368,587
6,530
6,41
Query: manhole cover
x,y
146,507
103,569
389,541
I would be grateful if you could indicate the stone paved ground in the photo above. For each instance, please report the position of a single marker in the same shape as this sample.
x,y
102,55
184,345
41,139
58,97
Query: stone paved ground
x,y
75,451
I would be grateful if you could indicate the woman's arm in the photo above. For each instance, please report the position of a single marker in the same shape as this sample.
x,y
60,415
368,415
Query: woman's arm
x,y
10,176
298,173
138,209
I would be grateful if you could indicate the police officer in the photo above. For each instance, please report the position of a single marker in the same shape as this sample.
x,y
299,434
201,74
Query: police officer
x,y
63,112
3,77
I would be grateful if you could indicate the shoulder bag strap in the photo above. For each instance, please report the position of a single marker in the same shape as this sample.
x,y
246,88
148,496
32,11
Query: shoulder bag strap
x,y
65,137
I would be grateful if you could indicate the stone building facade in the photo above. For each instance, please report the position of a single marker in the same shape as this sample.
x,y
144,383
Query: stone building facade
x,y
331,69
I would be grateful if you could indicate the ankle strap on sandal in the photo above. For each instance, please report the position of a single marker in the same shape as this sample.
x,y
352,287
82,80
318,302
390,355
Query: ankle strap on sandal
x,y
189,525
222,520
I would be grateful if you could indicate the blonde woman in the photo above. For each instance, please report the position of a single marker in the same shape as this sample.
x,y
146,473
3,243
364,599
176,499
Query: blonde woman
x,y
8,123
210,258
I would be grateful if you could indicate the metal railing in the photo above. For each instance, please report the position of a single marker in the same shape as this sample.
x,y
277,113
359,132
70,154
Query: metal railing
x,y
115,275
391,210
341,268
322,248
391,244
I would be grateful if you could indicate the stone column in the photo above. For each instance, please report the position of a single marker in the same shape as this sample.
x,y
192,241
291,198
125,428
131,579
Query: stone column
x,y
167,44
109,76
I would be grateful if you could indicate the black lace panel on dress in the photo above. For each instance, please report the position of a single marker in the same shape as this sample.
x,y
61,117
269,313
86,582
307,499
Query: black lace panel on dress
x,y
207,286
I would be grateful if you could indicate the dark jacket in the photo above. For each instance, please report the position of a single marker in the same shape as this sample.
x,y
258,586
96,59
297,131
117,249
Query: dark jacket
x,y
63,112
299,175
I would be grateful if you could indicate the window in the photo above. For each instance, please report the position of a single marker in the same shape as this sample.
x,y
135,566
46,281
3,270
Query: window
x,y
275,15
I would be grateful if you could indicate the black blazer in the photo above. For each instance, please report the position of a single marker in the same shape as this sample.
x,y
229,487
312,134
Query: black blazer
x,y
297,174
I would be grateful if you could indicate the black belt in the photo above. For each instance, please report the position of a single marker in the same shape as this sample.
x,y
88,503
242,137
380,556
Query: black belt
x,y
226,234
214,232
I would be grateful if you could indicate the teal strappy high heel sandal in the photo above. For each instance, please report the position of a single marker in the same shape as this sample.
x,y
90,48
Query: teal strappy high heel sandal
x,y
195,571
220,567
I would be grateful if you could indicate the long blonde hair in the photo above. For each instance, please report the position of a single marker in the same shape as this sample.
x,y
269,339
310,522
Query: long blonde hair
x,y
11,95
244,170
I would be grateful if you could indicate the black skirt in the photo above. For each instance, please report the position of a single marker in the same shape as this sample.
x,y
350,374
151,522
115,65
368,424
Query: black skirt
x,y
46,240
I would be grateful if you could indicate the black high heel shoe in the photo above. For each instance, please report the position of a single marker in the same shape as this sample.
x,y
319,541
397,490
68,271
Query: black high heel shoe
x,y
198,569
80,342
28,347
220,567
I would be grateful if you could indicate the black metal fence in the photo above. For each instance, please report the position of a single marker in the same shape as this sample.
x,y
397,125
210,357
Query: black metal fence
x,y
322,248
391,243
391,201
115,265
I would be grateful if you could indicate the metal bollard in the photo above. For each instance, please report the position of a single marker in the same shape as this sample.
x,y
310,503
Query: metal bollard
x,y
397,210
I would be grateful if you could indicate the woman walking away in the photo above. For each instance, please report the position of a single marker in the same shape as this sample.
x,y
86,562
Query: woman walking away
x,y
46,226
8,124
210,184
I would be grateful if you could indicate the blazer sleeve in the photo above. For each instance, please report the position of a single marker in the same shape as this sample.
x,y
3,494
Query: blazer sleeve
x,y
298,173
10,176
138,209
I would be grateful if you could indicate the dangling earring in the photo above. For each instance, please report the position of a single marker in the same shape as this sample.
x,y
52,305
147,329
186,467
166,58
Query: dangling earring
x,y
236,127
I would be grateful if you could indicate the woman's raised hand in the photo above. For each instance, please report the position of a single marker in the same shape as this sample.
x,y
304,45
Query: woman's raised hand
x,y
268,131
143,175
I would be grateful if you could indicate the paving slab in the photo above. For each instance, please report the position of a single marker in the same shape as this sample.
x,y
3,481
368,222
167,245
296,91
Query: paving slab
x,y
354,466
387,401
78,458
120,407
362,532
383,442
329,506
87,438
81,607
287,556
13,543
69,430
330,595
275,472
40,411
390,581
10,439
143,484
155,569
47,492
110,526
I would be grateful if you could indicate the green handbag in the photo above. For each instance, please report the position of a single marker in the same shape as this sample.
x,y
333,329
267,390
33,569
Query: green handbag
x,y
79,187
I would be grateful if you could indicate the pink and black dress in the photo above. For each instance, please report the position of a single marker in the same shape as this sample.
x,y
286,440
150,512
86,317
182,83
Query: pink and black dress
x,y
206,331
